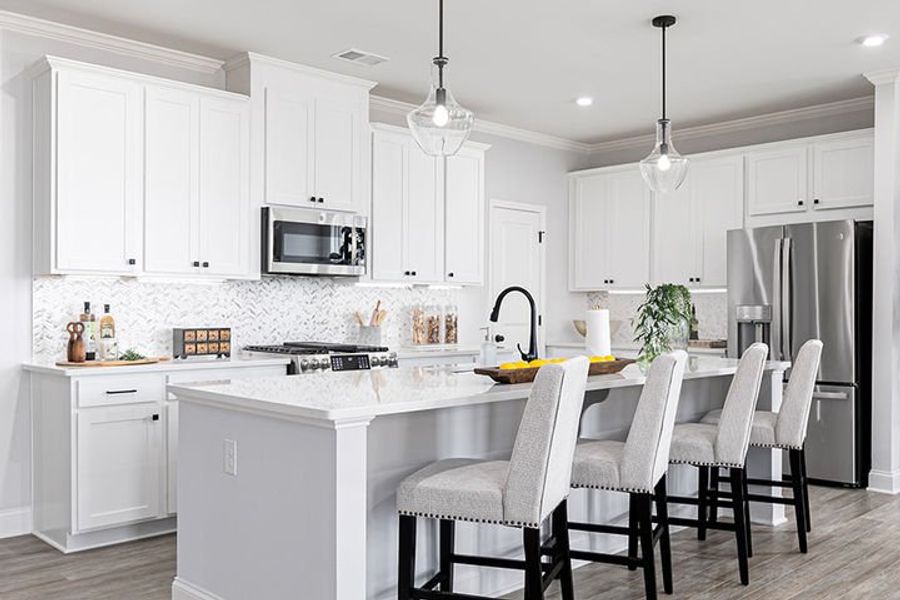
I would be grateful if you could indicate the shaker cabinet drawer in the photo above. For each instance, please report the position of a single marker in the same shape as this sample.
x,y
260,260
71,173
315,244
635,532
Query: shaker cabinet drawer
x,y
124,389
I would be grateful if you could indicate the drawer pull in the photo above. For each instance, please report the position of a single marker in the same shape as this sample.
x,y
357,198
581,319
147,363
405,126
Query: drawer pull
x,y
117,392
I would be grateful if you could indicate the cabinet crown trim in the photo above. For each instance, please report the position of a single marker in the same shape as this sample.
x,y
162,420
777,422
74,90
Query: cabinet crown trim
x,y
248,58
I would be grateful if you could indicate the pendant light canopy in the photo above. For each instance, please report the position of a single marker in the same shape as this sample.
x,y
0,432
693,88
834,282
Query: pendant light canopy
x,y
664,169
440,126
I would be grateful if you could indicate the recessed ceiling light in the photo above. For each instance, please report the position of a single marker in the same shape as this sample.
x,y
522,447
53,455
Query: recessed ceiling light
x,y
874,40
584,101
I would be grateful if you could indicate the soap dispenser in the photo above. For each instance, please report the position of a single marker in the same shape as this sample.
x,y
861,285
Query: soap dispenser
x,y
488,355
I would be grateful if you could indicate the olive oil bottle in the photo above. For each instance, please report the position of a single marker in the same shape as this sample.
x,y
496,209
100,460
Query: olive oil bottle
x,y
90,332
107,345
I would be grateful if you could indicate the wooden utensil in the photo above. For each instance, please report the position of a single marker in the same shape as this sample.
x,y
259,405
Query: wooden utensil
x,y
75,350
527,375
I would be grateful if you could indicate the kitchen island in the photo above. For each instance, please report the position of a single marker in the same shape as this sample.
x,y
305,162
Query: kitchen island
x,y
287,484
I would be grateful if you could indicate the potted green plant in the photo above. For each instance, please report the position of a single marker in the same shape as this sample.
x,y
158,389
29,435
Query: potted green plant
x,y
663,320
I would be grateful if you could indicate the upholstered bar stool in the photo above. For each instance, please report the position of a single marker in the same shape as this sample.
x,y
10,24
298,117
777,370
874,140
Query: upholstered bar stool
x,y
784,430
522,492
637,467
724,445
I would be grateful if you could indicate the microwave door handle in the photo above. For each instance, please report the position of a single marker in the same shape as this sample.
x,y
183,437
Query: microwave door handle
x,y
787,326
775,350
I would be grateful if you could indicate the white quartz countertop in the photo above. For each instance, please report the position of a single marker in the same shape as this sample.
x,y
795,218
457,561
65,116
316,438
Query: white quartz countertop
x,y
437,351
354,395
236,362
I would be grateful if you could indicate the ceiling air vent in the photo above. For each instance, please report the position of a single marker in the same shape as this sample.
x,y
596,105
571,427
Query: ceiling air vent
x,y
360,57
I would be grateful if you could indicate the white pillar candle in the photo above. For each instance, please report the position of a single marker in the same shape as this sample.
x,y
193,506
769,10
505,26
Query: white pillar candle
x,y
597,340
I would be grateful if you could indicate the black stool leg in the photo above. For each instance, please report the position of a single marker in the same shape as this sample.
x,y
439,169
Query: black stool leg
x,y
534,585
665,548
799,500
447,538
703,499
747,514
805,489
632,530
645,522
561,534
407,558
740,522
714,495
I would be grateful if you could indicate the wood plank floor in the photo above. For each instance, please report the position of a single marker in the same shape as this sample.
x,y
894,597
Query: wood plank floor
x,y
854,554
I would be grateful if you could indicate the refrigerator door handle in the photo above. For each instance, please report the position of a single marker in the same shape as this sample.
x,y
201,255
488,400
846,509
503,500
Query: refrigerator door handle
x,y
775,347
787,341
831,396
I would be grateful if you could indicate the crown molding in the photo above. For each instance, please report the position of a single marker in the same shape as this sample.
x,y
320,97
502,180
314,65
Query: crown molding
x,y
19,23
400,108
883,76
246,58
793,115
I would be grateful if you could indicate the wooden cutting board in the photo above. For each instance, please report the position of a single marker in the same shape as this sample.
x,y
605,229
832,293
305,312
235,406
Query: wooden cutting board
x,y
527,375
114,363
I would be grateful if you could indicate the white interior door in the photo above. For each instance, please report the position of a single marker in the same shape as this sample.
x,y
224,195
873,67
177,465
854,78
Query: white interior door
x,y
517,258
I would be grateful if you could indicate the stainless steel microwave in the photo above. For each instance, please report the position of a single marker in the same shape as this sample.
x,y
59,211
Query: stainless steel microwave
x,y
302,241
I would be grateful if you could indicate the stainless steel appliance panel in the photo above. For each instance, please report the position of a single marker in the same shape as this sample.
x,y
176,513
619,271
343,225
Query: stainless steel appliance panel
x,y
754,263
820,295
299,241
831,448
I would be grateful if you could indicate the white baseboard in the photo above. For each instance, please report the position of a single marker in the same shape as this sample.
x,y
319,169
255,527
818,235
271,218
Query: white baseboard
x,y
884,482
182,590
15,521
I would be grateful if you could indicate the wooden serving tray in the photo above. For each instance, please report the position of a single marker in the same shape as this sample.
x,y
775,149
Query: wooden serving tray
x,y
527,375
113,363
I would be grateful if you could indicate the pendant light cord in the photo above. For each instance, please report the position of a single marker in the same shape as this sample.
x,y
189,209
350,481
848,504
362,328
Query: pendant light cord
x,y
441,60
663,70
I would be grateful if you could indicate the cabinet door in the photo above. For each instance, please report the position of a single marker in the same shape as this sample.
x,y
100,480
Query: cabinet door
x,y
464,218
171,457
171,217
98,167
289,163
388,225
777,181
675,235
337,152
119,465
717,190
589,243
224,187
424,217
628,227
843,173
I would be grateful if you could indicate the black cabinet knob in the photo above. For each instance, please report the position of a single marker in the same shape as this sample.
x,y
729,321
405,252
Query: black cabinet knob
x,y
155,417
321,200
413,273
205,264
312,199
196,263
697,279
612,280
815,200
131,261
449,274
407,273
799,202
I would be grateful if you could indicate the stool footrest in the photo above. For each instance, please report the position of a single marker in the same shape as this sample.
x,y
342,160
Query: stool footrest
x,y
487,561
598,528
685,522
784,483
771,499
420,594
609,559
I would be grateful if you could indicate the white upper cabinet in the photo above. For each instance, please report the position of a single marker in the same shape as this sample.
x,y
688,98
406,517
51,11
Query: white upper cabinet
x,y
464,216
407,221
690,224
609,225
88,173
777,180
310,130
151,176
843,173
427,223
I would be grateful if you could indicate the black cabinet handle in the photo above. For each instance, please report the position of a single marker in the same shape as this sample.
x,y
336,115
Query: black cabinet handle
x,y
196,263
799,202
690,280
449,274
815,200
407,273
321,200
312,199
155,417
205,265
116,392
413,273
131,261
697,279
612,280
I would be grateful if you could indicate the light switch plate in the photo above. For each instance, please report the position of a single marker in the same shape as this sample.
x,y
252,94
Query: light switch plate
x,y
229,452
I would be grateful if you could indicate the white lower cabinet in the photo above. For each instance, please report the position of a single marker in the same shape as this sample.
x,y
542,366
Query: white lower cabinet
x,y
120,465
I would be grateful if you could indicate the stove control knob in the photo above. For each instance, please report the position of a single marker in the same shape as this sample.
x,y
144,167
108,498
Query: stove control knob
x,y
377,361
304,364
392,359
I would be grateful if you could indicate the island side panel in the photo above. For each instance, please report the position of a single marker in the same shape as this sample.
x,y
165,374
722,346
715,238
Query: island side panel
x,y
280,527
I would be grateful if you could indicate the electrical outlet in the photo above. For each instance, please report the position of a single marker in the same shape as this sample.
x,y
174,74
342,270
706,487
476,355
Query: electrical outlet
x,y
229,458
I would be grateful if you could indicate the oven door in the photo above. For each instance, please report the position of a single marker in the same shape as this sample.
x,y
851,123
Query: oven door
x,y
299,241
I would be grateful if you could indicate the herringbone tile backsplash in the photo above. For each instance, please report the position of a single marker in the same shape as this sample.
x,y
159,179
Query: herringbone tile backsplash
x,y
272,310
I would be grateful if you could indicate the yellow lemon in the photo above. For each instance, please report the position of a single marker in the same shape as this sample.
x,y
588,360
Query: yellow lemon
x,y
513,365
538,362
557,361
596,359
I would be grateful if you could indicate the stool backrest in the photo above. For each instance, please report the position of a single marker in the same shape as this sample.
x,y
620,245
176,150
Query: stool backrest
x,y
733,435
646,454
790,429
540,468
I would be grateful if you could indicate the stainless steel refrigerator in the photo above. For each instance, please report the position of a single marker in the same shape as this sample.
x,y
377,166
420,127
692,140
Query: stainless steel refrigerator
x,y
791,283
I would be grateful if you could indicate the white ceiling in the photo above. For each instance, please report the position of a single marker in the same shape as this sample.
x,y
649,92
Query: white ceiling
x,y
523,62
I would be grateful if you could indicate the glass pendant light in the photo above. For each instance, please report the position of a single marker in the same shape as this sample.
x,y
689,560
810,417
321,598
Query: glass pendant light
x,y
664,169
440,126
